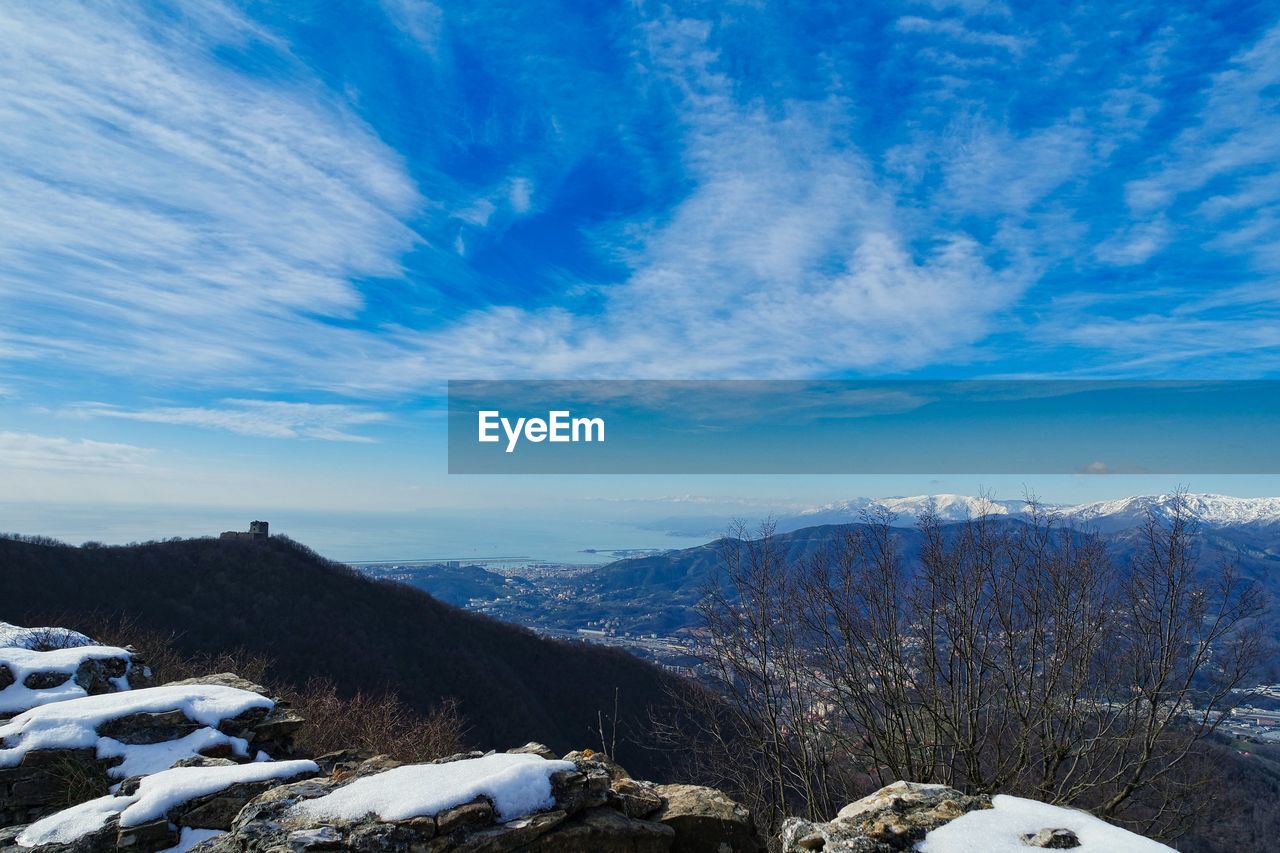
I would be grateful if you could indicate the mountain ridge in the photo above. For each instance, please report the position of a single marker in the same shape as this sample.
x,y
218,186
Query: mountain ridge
x,y
313,618
1108,516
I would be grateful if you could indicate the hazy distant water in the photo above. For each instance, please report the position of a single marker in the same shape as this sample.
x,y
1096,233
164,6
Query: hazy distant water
x,y
469,535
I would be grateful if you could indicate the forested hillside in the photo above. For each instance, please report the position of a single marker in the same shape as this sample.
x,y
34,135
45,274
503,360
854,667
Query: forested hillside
x,y
310,617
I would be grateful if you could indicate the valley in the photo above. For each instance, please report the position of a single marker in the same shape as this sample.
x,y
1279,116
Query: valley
x,y
646,604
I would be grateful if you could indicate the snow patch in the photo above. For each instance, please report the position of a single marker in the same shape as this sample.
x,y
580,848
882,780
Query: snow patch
x,y
23,661
1000,830
156,795
15,636
190,838
144,759
517,785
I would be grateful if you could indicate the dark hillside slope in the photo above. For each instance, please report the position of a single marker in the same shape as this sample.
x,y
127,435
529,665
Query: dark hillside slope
x,y
659,592
311,617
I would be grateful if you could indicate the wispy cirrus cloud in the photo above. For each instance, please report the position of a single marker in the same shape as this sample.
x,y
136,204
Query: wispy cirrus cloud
x,y
44,452
201,202
420,20
789,256
1229,146
689,195
1202,220
259,418
956,29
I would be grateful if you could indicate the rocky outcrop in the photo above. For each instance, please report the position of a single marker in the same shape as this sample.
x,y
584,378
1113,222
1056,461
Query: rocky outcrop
x,y
607,830
892,819
196,765
151,813
278,820
32,677
59,754
705,819
43,783
1052,839
634,798
593,806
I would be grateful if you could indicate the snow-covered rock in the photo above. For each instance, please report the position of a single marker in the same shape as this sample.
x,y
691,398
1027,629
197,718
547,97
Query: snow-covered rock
x,y
516,785
188,838
939,819
478,803
1012,821
179,796
893,818
122,735
40,639
153,712
30,678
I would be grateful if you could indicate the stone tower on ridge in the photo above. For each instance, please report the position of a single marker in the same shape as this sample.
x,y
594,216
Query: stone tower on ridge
x,y
257,531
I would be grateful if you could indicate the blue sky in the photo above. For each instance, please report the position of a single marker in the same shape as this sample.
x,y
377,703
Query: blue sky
x,y
242,246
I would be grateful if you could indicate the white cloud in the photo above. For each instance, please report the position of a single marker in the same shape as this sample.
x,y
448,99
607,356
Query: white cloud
x,y
181,219
478,213
1157,345
42,452
419,19
788,258
263,418
960,31
987,169
1135,244
1230,150
230,214
1226,153
521,195
205,226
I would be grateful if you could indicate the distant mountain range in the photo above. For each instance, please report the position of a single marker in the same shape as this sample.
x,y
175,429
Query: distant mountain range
x,y
658,592
1105,516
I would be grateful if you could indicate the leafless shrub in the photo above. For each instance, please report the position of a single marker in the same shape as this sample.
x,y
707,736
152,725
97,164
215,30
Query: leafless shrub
x,y
163,654
369,722
760,729
373,723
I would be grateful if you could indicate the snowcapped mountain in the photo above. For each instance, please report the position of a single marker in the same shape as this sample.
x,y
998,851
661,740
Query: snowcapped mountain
x,y
907,510
1106,516
1210,509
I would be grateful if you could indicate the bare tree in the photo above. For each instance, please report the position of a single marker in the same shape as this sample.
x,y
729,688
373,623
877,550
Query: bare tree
x,y
1003,656
760,731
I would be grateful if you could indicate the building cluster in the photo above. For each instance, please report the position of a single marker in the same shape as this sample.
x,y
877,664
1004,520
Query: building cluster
x,y
1257,717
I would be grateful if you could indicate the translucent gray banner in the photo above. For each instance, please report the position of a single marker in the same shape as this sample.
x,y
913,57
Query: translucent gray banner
x,y
863,427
